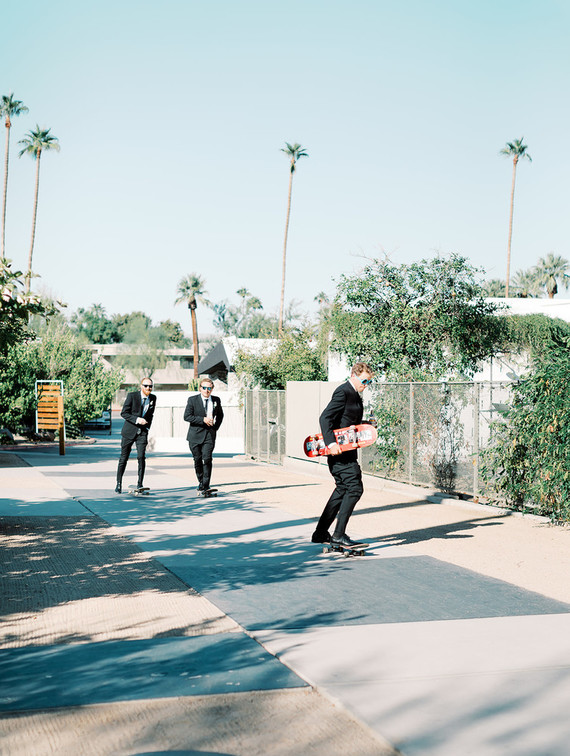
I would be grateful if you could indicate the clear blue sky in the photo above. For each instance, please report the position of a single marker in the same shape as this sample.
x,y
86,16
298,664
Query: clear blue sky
x,y
171,117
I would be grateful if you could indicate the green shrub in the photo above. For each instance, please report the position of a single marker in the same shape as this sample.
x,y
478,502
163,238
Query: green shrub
x,y
528,463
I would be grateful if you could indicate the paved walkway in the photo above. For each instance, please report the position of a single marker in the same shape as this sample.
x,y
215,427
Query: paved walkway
x,y
174,624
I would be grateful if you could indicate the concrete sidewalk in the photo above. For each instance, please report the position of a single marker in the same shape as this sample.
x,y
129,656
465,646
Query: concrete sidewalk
x,y
173,624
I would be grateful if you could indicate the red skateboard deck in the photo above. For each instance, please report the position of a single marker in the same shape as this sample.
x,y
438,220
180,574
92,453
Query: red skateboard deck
x,y
353,437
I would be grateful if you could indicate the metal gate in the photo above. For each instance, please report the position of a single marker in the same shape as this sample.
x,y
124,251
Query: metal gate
x,y
265,425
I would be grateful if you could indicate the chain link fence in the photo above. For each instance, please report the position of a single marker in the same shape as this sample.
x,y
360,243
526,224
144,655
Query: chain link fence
x,y
265,425
433,433
429,434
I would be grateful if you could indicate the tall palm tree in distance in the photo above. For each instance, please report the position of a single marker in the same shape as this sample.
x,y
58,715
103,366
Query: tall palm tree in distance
x,y
293,152
36,142
9,108
191,291
550,271
517,150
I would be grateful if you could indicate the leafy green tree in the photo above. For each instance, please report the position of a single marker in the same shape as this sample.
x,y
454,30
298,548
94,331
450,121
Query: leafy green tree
x,y
95,326
294,152
550,271
35,143
9,108
190,291
528,462
145,345
173,332
131,325
16,308
293,358
416,322
516,150
58,355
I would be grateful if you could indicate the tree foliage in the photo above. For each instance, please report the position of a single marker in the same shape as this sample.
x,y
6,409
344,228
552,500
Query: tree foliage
x,y
16,307
536,333
96,327
58,355
292,358
422,321
551,271
528,463
246,320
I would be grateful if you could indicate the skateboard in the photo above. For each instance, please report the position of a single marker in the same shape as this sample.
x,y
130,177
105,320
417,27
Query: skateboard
x,y
353,437
136,491
209,493
346,551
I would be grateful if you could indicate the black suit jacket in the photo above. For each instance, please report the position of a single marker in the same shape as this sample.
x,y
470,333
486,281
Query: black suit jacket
x,y
345,408
195,414
132,410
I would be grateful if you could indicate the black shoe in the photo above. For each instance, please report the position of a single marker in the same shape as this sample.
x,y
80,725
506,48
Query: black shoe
x,y
118,488
347,543
321,537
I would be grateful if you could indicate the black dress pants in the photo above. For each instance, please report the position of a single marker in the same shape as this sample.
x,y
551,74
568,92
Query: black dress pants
x,y
141,440
348,478
202,454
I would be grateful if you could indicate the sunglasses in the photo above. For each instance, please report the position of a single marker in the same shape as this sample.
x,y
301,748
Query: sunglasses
x,y
366,381
147,385
206,388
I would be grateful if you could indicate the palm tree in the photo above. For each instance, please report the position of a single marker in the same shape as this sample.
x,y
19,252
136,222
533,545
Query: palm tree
x,y
9,108
551,270
494,287
191,291
516,150
525,283
294,152
36,142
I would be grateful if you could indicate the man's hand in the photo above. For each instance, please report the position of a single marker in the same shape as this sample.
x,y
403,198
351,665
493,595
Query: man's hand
x,y
141,421
209,421
334,449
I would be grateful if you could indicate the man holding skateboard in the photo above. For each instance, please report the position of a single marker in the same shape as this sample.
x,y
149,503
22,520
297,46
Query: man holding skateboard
x,y
205,414
344,409
137,412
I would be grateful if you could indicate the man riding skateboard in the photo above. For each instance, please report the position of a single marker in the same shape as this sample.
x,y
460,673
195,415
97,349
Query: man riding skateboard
x,y
137,412
205,414
345,408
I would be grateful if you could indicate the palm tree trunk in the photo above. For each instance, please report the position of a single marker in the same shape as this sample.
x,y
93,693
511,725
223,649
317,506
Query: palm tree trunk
x,y
510,228
29,273
5,189
195,340
282,301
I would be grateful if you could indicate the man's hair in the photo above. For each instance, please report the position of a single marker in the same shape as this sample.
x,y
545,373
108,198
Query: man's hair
x,y
206,380
146,378
361,367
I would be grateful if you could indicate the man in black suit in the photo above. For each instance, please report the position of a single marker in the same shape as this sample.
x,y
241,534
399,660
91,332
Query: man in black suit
x,y
137,412
205,414
344,409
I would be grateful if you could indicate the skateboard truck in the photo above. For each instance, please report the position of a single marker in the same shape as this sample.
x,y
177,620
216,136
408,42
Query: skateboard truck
x,y
139,490
346,551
